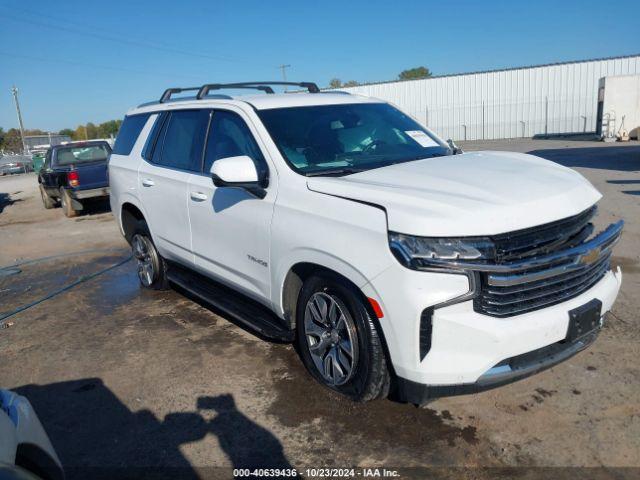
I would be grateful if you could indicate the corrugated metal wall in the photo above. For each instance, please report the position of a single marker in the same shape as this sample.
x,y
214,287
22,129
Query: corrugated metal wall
x,y
520,102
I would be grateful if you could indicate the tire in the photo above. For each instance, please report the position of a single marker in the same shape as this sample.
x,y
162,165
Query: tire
x,y
67,204
47,201
152,268
358,371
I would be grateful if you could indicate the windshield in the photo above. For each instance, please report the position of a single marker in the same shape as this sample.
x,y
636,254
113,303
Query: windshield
x,y
80,154
344,139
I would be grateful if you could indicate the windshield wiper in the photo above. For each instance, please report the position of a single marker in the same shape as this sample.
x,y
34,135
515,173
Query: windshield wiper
x,y
335,172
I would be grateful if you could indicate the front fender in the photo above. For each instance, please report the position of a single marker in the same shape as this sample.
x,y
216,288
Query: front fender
x,y
318,257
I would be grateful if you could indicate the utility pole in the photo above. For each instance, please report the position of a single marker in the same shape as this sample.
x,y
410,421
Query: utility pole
x,y
284,73
14,91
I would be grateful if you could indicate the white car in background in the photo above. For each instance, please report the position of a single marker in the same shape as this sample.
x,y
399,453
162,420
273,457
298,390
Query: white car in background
x,y
25,449
396,262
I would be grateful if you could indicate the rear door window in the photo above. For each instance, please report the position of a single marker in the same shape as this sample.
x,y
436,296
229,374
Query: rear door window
x,y
181,142
152,139
129,132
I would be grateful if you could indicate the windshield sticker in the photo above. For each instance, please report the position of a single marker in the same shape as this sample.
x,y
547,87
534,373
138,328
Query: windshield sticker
x,y
422,138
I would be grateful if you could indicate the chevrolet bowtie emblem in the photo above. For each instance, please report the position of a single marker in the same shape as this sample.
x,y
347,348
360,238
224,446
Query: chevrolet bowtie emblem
x,y
590,257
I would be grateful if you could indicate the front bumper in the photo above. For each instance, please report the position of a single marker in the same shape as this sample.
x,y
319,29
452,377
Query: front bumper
x,y
465,344
507,371
443,329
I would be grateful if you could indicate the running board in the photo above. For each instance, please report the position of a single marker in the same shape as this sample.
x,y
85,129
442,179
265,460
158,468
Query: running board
x,y
244,310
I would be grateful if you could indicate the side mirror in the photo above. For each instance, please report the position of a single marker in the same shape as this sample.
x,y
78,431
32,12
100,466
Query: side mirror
x,y
239,172
456,150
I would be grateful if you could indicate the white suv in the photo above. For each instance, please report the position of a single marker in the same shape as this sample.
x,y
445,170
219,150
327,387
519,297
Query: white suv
x,y
395,261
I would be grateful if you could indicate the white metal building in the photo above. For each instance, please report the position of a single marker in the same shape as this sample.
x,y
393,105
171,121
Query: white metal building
x,y
519,102
45,141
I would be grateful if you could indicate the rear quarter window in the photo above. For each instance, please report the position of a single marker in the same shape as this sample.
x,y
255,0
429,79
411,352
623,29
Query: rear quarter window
x,y
129,132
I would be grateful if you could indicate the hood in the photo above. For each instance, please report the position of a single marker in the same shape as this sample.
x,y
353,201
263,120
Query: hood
x,y
478,193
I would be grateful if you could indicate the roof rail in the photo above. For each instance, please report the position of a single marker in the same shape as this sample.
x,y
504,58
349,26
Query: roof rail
x,y
204,90
264,86
170,91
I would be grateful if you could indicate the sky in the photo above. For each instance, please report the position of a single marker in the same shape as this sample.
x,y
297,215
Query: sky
x,y
84,61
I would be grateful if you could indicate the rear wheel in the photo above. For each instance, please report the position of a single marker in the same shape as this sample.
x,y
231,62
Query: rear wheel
x,y
338,339
67,203
47,201
152,268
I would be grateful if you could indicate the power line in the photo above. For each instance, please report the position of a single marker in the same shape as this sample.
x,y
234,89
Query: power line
x,y
93,65
126,41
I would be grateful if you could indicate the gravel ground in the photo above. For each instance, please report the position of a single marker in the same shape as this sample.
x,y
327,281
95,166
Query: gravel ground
x,y
125,379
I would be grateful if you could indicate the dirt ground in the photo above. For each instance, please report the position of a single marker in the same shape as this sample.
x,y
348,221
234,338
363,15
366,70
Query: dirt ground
x,y
133,382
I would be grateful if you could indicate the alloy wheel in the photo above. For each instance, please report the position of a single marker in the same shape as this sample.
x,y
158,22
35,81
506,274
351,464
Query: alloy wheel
x,y
331,338
146,256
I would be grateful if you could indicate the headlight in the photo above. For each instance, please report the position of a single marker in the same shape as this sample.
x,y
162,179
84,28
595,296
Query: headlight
x,y
421,252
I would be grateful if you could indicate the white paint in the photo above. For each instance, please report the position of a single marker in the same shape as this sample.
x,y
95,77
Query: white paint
x,y
479,193
251,244
239,169
20,425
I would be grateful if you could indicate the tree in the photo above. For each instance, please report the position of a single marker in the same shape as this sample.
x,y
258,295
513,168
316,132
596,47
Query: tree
x,y
80,133
335,83
109,128
351,83
2,135
12,141
92,130
66,131
415,73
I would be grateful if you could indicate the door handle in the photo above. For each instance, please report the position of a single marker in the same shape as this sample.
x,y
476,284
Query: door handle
x,y
147,182
198,196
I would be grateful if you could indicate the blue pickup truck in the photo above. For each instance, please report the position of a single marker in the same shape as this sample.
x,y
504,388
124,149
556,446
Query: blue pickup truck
x,y
74,173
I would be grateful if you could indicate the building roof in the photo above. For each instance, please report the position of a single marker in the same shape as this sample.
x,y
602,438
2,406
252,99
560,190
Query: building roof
x,y
477,72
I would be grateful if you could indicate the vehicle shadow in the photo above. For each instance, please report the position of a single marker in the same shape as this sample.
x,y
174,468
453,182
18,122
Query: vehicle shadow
x,y
567,136
224,198
626,159
627,182
97,436
6,201
95,207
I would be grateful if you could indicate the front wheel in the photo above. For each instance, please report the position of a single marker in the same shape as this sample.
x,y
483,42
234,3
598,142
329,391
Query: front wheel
x,y
338,339
152,269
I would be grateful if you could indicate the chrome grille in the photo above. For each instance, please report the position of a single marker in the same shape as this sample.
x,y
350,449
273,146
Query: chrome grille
x,y
545,238
527,296
559,270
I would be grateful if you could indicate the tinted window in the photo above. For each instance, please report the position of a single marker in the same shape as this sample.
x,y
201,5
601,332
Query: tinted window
x,y
128,133
151,139
342,139
183,140
229,136
47,159
82,154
